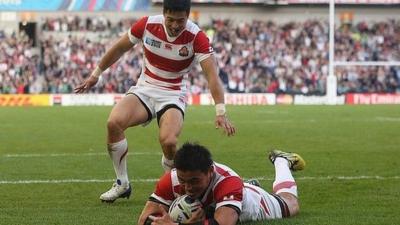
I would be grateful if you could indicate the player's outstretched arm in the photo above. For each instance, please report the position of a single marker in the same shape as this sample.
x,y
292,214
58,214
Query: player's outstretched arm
x,y
149,210
109,58
209,68
162,219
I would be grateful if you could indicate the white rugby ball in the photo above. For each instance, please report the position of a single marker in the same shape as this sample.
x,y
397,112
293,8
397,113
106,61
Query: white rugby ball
x,y
182,208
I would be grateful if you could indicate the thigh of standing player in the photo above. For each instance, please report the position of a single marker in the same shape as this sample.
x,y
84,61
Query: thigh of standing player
x,y
170,122
128,112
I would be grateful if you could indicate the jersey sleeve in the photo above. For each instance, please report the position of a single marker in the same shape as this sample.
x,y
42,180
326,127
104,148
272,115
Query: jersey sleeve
x,y
229,192
202,47
163,192
136,32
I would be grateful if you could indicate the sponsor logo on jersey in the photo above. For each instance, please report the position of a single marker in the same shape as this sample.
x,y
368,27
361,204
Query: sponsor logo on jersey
x,y
153,42
227,198
182,99
168,46
184,51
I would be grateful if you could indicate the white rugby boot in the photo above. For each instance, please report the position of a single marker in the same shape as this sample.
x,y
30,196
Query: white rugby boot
x,y
116,191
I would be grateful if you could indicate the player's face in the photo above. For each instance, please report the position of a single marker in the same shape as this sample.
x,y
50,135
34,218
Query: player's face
x,y
175,22
195,183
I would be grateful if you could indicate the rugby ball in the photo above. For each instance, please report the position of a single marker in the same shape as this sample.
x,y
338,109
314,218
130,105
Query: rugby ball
x,y
182,208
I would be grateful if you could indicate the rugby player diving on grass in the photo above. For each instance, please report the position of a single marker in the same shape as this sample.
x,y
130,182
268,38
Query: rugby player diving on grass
x,y
225,198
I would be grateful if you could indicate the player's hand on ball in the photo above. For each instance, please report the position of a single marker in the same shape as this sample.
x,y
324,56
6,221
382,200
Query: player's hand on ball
x,y
197,216
223,122
164,219
86,85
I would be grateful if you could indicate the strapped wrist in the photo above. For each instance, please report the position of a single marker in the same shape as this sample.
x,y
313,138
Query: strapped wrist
x,y
220,109
96,72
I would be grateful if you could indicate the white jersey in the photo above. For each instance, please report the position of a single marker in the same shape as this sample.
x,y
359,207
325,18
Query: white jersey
x,y
167,60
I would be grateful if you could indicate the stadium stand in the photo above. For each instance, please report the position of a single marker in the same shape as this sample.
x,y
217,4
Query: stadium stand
x,y
254,57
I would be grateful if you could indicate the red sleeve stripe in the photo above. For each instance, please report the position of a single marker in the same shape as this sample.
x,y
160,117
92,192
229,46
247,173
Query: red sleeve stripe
x,y
286,184
202,44
137,29
168,65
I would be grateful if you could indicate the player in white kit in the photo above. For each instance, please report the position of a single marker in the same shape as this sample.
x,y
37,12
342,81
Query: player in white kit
x,y
220,189
172,44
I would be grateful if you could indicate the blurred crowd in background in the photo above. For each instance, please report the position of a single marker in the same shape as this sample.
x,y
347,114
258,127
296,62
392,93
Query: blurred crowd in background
x,y
256,57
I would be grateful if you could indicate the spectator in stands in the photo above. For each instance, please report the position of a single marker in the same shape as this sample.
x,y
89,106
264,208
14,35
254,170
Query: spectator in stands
x,y
252,57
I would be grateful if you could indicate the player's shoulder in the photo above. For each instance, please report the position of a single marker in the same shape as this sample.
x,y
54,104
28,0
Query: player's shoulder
x,y
174,177
225,177
165,179
169,179
224,170
155,19
229,185
192,27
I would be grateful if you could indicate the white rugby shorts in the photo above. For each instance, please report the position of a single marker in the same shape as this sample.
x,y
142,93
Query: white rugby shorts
x,y
156,99
259,205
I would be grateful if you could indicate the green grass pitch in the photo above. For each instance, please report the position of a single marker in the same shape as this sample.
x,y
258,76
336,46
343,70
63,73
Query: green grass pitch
x,y
54,166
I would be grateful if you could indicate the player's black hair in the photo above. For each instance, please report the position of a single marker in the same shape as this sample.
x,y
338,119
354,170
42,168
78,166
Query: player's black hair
x,y
176,6
193,157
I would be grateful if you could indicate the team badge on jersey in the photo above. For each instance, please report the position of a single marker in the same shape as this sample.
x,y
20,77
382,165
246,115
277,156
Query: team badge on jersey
x,y
184,51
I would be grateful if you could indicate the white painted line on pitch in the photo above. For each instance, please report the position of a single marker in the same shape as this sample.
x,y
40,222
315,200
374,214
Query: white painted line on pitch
x,y
151,180
388,119
275,121
338,178
71,181
72,154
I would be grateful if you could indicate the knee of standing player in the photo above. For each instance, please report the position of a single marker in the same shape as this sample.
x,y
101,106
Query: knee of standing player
x,y
114,125
169,142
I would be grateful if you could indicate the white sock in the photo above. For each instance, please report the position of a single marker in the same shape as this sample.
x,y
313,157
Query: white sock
x,y
167,164
284,181
118,152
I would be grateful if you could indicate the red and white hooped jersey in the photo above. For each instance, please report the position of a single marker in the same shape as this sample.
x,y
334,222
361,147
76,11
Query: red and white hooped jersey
x,y
167,60
226,188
